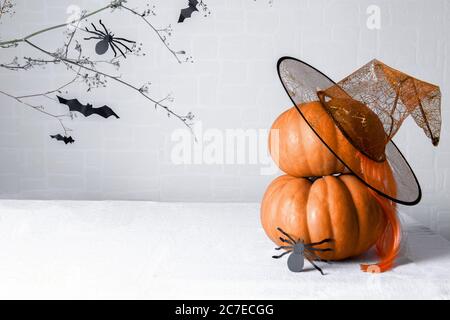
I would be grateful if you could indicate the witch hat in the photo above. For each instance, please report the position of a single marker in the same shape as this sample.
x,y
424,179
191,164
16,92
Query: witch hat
x,y
368,107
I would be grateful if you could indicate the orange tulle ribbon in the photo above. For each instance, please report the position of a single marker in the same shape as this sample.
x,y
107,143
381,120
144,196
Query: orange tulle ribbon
x,y
388,245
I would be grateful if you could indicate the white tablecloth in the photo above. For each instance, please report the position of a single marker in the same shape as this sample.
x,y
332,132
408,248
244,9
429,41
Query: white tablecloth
x,y
149,250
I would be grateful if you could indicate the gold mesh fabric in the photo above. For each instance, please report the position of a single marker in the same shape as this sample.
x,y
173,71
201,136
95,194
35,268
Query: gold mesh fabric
x,y
393,95
359,124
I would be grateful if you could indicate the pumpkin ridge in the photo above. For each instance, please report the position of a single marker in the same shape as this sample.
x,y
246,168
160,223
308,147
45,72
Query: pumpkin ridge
x,y
320,204
308,204
279,184
330,222
296,201
308,234
287,121
270,194
288,185
277,196
301,124
344,182
334,140
291,120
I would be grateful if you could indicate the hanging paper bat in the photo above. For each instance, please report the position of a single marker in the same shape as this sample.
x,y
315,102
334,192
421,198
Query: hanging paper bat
x,y
187,12
87,110
66,139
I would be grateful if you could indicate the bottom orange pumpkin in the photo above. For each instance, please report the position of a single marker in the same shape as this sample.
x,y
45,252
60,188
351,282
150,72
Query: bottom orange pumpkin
x,y
337,207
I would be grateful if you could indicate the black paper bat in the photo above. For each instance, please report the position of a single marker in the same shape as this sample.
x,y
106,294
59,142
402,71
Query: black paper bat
x,y
66,139
187,12
87,110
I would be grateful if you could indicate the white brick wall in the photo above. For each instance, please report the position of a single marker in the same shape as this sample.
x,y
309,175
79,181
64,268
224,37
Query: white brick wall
x,y
232,84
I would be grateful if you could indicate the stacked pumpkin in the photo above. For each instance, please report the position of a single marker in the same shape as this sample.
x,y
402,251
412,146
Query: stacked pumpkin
x,y
319,198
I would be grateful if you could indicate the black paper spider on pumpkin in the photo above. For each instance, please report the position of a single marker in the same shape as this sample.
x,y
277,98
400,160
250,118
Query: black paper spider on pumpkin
x,y
107,39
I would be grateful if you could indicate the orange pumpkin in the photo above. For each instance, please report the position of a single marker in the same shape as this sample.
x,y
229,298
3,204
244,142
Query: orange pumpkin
x,y
337,207
299,152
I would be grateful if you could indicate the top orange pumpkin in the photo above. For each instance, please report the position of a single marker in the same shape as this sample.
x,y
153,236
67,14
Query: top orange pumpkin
x,y
299,152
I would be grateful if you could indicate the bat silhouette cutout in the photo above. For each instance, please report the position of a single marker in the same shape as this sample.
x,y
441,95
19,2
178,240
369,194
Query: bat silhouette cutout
x,y
187,12
87,109
66,139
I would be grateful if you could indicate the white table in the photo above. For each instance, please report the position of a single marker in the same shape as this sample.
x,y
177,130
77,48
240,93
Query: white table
x,y
150,250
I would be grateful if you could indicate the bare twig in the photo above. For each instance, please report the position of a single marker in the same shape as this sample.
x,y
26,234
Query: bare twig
x,y
86,69
40,109
15,41
184,119
72,34
6,6
159,33
46,93
115,4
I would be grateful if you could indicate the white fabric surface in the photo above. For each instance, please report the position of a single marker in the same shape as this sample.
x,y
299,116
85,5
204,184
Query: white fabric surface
x,y
84,249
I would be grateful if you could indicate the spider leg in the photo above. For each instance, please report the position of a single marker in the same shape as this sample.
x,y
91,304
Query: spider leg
x,y
94,32
118,42
114,50
115,45
284,247
123,39
317,243
313,255
283,254
314,265
286,241
93,38
106,30
321,250
289,237
101,32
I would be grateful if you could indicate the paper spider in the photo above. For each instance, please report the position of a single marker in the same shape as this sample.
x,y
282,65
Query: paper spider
x,y
106,39
301,250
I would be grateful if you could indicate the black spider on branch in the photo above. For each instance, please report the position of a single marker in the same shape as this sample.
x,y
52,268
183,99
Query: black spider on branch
x,y
85,69
107,39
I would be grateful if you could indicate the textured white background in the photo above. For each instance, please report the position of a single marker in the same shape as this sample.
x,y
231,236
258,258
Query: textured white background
x,y
231,84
